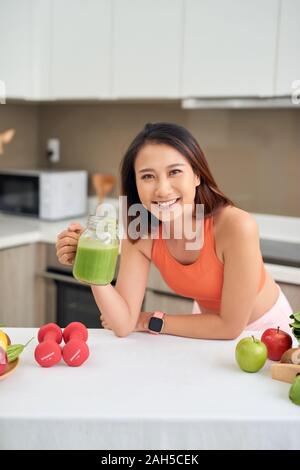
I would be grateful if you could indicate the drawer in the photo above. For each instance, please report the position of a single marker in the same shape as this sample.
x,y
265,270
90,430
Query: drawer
x,y
169,303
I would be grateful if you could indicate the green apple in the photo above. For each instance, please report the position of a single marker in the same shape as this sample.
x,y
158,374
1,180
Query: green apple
x,y
294,392
251,354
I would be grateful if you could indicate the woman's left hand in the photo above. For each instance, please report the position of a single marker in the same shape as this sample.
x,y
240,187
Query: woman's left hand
x,y
141,325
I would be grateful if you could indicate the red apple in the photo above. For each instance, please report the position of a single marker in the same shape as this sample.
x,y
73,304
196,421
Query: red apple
x,y
277,342
3,361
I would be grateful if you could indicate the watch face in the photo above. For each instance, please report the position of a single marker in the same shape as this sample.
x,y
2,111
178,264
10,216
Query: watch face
x,y
155,324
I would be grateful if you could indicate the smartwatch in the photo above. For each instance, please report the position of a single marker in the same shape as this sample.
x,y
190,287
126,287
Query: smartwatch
x,y
156,323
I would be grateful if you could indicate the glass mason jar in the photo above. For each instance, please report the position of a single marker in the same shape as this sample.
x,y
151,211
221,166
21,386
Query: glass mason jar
x,y
97,251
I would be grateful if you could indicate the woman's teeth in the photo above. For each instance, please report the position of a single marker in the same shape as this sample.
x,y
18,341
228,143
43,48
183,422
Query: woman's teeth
x,y
167,203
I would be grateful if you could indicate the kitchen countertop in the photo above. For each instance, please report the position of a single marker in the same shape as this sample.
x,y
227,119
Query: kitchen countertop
x,y
16,230
19,230
181,394
280,238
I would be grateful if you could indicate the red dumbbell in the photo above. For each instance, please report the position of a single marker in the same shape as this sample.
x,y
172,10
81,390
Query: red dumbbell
x,y
76,351
48,352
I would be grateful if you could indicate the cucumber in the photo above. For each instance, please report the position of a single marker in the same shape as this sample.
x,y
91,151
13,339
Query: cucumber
x,y
13,351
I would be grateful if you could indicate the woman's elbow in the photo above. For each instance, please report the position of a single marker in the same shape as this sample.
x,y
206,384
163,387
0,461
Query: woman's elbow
x,y
122,333
232,336
125,330
233,333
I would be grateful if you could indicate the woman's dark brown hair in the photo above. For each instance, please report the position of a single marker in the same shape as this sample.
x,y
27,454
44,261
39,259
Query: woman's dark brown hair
x,y
181,139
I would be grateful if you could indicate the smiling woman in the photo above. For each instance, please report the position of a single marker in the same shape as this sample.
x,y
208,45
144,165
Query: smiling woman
x,y
164,162
165,173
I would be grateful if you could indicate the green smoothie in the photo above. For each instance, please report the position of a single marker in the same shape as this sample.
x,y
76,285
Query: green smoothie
x,y
95,262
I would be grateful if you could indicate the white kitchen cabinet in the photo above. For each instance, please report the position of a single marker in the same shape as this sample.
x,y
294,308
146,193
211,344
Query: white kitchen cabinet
x,y
229,48
136,49
25,48
40,48
80,49
288,61
16,47
147,48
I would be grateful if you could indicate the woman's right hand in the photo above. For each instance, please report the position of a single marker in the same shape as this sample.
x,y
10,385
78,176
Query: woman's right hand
x,y
66,244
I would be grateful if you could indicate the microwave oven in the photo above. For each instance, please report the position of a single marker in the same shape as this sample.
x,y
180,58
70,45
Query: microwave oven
x,y
46,194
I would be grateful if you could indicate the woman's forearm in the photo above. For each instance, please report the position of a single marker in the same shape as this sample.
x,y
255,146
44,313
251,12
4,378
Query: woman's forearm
x,y
114,308
202,326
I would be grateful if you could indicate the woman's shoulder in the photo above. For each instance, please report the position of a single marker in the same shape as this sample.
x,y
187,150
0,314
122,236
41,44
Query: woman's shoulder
x,y
144,246
231,221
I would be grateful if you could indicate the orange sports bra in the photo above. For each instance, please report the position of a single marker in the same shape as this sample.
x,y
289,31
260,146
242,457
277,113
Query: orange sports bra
x,y
201,280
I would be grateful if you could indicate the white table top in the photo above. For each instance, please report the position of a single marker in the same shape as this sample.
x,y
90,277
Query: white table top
x,y
145,392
